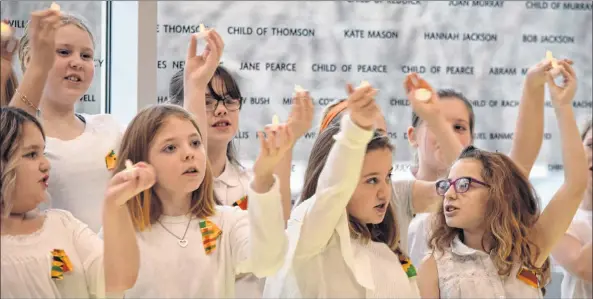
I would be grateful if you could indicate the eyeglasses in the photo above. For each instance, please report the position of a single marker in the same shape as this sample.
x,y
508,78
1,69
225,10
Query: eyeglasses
x,y
461,185
229,103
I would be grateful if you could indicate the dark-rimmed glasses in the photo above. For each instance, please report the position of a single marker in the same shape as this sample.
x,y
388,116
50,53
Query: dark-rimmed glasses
x,y
229,103
461,185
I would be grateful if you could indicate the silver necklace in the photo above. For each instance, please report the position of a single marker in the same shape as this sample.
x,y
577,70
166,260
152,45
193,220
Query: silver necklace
x,y
181,241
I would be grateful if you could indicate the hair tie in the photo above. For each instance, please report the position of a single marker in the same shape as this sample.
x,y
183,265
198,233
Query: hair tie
x,y
333,112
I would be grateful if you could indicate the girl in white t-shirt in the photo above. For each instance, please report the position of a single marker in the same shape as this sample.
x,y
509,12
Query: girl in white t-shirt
x,y
223,104
194,248
573,252
178,242
489,239
343,236
43,255
81,147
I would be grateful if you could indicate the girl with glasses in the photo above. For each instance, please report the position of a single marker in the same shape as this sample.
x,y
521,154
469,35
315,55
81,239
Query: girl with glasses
x,y
489,239
432,159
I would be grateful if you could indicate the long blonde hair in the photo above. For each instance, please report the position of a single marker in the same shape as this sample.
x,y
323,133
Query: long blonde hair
x,y
135,146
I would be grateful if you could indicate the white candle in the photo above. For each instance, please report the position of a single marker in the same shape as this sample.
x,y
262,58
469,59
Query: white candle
x,y
129,165
5,31
298,88
202,33
555,71
423,94
54,6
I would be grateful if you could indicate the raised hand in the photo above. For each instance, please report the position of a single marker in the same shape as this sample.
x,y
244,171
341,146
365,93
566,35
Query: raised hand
x,y
42,32
362,106
300,119
199,69
428,108
273,145
130,182
536,75
563,95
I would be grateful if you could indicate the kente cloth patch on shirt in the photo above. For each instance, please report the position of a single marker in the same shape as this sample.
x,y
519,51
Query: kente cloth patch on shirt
x,y
60,264
529,277
111,160
241,203
210,233
407,266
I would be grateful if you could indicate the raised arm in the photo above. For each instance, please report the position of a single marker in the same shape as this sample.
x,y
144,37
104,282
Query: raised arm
x,y
424,196
529,129
560,211
300,121
340,174
121,253
42,31
198,71
262,250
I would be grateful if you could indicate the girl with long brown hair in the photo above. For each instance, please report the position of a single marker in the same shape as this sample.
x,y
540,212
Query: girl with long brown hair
x,y
344,235
172,237
489,239
432,163
231,179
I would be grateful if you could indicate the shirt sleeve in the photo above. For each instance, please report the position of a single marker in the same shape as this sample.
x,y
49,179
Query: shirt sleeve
x,y
259,241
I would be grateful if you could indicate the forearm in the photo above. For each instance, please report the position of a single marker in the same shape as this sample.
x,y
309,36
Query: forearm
x,y
121,253
584,263
195,103
267,240
573,154
30,90
449,143
529,129
283,172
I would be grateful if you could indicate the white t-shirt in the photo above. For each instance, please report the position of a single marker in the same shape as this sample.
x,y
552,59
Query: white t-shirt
x,y
252,241
231,186
79,174
580,229
27,260
418,237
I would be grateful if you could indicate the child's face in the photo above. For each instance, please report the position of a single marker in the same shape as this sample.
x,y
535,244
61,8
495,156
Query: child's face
x,y
178,156
32,171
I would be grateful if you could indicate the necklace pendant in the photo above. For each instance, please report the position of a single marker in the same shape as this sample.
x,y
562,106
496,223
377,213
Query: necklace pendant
x,y
182,243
